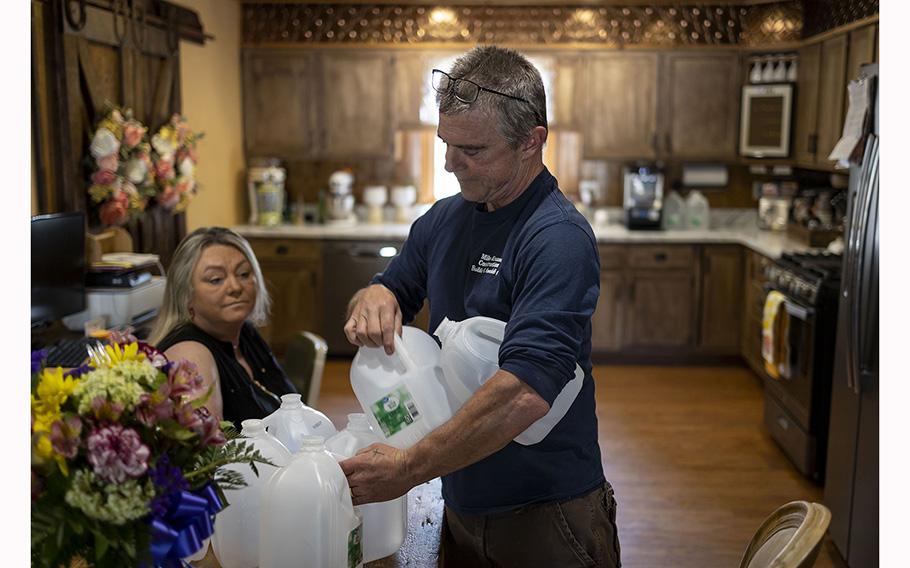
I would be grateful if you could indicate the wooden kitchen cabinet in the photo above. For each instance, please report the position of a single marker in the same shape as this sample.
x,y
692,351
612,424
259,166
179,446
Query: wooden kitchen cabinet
x,y
279,103
753,284
862,50
721,292
411,83
292,269
356,105
832,97
805,141
700,101
659,313
620,105
607,321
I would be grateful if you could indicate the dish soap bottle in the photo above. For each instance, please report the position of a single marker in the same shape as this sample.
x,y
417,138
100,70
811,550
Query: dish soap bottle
x,y
697,210
675,211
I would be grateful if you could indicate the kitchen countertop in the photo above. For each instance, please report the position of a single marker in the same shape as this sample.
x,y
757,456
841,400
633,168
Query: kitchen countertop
x,y
768,243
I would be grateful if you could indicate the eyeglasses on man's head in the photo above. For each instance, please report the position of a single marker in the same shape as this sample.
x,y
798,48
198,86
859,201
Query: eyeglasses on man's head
x,y
465,90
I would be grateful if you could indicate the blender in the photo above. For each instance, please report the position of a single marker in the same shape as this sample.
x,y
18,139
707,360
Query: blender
x,y
340,203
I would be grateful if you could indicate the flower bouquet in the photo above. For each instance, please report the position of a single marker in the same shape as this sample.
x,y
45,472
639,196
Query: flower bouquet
x,y
126,460
122,176
175,160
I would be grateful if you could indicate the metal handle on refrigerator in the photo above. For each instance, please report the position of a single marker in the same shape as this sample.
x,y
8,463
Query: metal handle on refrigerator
x,y
849,275
858,288
869,172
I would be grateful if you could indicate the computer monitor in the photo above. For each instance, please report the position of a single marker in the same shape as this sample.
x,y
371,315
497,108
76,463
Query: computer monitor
x,y
58,266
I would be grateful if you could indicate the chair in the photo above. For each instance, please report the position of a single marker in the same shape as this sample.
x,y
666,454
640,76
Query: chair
x,y
304,362
790,537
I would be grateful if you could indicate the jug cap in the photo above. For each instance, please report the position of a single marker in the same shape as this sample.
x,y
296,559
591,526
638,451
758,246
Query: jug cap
x,y
312,443
291,401
251,427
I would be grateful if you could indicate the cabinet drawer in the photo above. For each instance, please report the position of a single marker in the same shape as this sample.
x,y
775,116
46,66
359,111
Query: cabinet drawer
x,y
612,256
798,444
285,249
648,256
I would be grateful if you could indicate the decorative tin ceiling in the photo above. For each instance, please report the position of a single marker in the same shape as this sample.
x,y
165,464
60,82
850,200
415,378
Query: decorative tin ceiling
x,y
609,26
823,15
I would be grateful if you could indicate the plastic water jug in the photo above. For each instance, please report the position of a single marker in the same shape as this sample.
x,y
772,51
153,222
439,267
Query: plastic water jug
x,y
470,356
403,394
308,520
699,210
236,537
384,524
293,420
675,212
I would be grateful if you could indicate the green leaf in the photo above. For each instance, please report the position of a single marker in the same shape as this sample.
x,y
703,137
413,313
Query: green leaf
x,y
101,545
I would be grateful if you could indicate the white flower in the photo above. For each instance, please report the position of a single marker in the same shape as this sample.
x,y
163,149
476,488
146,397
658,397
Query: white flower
x,y
104,143
186,167
164,147
129,189
136,170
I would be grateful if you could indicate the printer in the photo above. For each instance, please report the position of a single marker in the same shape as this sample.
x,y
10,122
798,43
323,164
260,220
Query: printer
x,y
120,306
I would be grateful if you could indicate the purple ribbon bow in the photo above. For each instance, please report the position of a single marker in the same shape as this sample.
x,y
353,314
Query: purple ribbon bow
x,y
188,522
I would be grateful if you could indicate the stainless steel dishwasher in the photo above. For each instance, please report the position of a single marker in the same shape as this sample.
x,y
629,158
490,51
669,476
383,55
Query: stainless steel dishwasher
x,y
347,267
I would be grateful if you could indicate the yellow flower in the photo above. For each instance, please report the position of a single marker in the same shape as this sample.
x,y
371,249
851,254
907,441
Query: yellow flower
x,y
53,390
117,354
43,447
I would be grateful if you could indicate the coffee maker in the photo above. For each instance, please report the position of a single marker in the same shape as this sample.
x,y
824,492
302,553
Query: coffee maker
x,y
643,194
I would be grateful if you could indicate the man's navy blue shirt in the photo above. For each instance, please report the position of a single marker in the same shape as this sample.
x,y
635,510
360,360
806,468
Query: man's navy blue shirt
x,y
534,264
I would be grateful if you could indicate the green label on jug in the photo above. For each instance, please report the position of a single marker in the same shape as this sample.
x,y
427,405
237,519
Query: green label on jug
x,y
355,547
395,411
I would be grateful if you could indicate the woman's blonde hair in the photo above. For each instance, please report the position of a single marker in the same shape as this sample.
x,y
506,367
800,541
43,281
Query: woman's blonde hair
x,y
179,289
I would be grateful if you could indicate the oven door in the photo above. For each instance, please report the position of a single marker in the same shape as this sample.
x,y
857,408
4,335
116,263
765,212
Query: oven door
x,y
794,388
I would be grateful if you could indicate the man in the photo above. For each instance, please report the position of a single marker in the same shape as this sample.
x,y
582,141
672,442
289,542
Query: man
x,y
511,247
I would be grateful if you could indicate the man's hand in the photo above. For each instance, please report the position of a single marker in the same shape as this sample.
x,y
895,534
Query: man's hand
x,y
373,318
378,473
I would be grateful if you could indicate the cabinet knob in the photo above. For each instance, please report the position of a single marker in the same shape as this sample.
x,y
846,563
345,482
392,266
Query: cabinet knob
x,y
282,249
660,256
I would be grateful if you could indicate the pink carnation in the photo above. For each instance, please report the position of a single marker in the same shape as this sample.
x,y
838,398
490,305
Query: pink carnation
x,y
109,162
117,453
116,211
104,177
164,169
132,134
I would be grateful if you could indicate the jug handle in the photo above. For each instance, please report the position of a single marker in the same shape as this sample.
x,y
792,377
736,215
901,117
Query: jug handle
x,y
491,328
403,355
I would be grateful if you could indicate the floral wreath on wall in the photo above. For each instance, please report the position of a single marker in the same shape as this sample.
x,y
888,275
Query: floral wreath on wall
x,y
175,159
122,178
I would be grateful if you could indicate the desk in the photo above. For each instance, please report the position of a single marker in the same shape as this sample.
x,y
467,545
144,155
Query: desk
x,y
421,545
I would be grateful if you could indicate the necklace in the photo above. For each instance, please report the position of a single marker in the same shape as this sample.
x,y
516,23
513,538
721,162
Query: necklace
x,y
252,378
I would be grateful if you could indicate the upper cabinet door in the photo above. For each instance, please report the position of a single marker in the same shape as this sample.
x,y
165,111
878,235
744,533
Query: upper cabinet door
x,y
805,142
862,50
831,96
621,105
411,84
701,101
279,106
357,110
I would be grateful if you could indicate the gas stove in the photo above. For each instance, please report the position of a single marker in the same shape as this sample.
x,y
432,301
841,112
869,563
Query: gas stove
x,y
806,277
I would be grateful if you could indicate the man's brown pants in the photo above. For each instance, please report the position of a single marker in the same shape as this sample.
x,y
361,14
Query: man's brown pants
x,y
577,532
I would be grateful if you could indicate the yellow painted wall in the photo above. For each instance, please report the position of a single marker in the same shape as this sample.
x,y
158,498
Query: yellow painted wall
x,y
210,88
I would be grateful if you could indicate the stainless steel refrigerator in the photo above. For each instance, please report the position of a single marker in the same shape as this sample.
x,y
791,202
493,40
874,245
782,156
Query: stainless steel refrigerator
x,y
851,484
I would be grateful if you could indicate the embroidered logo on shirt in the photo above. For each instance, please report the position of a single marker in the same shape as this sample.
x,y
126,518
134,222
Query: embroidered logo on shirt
x,y
488,264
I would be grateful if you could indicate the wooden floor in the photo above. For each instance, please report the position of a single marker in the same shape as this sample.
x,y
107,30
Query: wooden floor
x,y
694,471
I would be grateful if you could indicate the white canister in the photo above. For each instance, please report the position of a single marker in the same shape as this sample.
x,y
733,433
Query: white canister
x,y
308,519
385,524
402,394
293,420
236,537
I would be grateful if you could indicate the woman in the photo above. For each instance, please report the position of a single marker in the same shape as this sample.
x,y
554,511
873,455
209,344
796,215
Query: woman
x,y
214,298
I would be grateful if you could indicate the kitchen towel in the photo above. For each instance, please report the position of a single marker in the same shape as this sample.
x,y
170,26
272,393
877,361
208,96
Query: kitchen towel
x,y
775,331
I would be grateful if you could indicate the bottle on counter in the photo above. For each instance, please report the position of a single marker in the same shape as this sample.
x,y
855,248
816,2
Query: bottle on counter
x,y
698,210
675,211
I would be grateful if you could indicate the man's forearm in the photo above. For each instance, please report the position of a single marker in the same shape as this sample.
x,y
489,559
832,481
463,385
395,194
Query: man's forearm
x,y
501,409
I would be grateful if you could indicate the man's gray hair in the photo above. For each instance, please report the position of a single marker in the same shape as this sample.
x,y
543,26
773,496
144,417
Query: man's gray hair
x,y
179,288
506,71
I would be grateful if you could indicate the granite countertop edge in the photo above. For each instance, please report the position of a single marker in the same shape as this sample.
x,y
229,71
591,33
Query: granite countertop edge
x,y
768,243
